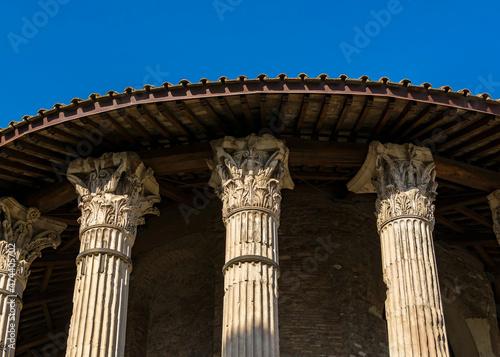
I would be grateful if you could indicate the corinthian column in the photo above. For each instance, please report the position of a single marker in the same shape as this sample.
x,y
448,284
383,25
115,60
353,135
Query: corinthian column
x,y
494,200
23,234
403,177
115,191
248,175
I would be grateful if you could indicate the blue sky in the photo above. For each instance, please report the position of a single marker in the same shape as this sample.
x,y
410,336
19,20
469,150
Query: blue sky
x,y
55,50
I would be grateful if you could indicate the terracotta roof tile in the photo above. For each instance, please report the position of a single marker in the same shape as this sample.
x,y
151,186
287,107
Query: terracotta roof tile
x,y
75,102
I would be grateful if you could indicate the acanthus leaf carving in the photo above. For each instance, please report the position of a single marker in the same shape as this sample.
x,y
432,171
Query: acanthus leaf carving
x,y
26,233
114,190
250,172
404,178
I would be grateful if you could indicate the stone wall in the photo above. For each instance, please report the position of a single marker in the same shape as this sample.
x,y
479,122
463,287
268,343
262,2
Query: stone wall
x,y
331,289
468,302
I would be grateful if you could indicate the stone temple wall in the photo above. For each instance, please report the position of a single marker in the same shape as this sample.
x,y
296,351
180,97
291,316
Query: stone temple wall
x,y
331,290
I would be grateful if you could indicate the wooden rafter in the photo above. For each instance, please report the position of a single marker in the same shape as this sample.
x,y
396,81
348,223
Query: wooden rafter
x,y
361,118
302,115
165,112
229,113
341,117
321,118
384,117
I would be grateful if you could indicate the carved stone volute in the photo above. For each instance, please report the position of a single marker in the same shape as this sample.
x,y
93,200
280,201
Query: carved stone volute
x,y
404,178
26,233
114,190
250,172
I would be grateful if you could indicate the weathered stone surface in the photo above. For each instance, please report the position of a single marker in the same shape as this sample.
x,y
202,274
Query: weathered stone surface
x,y
248,175
331,302
23,234
115,191
494,200
327,314
468,303
403,177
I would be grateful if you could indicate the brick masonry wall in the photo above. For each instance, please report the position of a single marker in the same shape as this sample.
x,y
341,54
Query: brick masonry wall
x,y
332,294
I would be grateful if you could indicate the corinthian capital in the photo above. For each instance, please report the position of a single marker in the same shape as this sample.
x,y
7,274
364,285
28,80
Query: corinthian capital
x,y
404,178
24,233
250,172
494,200
115,189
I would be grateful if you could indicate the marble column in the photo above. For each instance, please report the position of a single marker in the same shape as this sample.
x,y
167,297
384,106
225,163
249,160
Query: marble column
x,y
115,191
248,175
494,201
23,234
403,176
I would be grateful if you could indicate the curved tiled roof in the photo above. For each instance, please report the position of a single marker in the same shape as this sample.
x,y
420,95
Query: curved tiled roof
x,y
224,86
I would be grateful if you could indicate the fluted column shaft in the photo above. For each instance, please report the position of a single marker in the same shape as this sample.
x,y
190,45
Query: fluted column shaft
x,y
12,287
250,313
415,319
248,175
404,179
99,317
115,191
23,234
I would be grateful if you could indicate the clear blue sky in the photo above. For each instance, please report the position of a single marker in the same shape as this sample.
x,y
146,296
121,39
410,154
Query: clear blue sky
x,y
55,50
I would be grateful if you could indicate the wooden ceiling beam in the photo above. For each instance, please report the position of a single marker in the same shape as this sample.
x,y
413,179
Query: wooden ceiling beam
x,y
491,243
446,222
234,129
118,128
46,141
492,147
27,159
444,205
63,136
69,244
302,114
361,118
482,253
228,111
155,123
193,118
407,112
192,158
247,112
46,154
87,121
344,110
263,110
282,109
419,119
84,136
477,140
51,197
475,216
177,159
467,175
384,117
12,165
131,117
442,118
327,99
165,112
16,178
470,130
321,176
174,193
